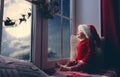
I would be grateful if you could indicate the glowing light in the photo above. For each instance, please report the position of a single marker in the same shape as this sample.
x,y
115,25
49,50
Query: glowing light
x,y
14,11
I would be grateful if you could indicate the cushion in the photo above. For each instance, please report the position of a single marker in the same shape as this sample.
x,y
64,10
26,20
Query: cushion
x,y
73,46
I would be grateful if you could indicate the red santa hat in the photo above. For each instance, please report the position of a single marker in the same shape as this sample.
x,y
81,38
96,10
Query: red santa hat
x,y
95,35
85,29
90,32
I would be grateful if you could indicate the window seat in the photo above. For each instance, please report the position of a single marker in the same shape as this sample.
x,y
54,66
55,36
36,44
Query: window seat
x,y
102,73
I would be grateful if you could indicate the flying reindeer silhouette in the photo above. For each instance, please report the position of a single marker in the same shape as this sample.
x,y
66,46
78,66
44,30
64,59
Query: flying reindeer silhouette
x,y
29,14
10,22
22,19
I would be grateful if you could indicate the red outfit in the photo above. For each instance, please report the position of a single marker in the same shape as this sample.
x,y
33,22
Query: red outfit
x,y
83,50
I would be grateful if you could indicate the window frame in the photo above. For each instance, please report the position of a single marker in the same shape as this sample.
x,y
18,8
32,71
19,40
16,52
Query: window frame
x,y
39,35
1,19
45,64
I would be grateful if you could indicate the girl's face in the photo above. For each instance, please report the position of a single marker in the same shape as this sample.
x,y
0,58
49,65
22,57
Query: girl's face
x,y
80,35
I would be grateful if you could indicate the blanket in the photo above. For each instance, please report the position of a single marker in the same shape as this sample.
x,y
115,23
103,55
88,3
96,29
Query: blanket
x,y
10,67
108,73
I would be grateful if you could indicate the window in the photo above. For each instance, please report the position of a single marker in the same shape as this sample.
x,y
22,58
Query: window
x,y
49,37
16,29
59,32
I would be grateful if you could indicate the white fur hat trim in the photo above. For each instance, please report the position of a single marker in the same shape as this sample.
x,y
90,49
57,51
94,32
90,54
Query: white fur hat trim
x,y
85,29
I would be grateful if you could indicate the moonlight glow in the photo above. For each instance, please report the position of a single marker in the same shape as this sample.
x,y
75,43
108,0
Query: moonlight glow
x,y
14,11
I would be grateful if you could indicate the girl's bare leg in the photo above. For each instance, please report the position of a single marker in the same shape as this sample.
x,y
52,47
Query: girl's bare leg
x,y
63,67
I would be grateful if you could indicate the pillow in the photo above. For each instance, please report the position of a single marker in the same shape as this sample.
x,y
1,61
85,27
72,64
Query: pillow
x,y
73,46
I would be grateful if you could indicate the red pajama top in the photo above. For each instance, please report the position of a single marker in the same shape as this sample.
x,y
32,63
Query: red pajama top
x,y
84,49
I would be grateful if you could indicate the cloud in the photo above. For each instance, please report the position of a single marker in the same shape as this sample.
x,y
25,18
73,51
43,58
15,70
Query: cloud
x,y
19,47
20,44
52,54
20,54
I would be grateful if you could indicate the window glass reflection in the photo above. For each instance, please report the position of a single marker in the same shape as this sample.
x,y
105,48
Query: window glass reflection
x,y
59,33
54,38
59,7
66,8
66,38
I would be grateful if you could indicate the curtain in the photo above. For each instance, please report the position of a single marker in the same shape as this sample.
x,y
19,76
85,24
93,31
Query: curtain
x,y
111,31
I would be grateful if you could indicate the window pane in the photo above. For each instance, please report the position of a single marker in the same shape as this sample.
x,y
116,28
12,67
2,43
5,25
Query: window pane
x,y
59,33
54,38
16,32
59,7
66,38
66,8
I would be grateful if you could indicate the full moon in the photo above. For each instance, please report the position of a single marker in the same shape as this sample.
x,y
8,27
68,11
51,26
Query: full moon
x,y
14,11
20,31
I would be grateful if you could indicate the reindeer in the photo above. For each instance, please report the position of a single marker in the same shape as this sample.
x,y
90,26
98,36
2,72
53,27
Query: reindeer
x,y
22,19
